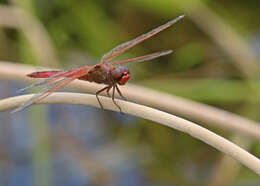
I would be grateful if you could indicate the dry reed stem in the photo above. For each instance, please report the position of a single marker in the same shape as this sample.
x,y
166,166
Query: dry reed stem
x,y
166,102
145,112
238,50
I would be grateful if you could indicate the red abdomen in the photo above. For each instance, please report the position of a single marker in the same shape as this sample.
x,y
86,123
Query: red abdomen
x,y
42,74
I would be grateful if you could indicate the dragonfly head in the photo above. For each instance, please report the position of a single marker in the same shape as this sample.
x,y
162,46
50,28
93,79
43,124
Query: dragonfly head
x,y
121,75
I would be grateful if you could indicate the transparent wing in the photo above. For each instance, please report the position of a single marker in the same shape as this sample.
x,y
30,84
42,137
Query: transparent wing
x,y
45,81
59,75
44,92
129,44
143,58
51,86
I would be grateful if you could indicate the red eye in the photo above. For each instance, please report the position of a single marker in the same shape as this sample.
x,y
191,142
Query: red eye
x,y
124,78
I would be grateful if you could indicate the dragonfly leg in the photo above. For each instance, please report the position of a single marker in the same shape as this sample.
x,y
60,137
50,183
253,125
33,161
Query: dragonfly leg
x,y
113,98
114,88
114,84
108,89
98,92
119,92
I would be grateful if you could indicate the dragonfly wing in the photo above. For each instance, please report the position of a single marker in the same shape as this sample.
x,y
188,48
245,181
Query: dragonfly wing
x,y
143,58
51,86
45,81
59,75
129,44
38,95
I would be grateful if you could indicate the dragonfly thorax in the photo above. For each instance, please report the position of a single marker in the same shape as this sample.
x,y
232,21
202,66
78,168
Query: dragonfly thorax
x,y
121,75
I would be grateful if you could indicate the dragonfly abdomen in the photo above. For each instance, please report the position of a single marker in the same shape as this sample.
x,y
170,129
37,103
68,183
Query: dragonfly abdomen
x,y
43,74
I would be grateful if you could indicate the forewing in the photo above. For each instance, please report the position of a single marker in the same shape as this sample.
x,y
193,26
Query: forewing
x,y
129,44
143,58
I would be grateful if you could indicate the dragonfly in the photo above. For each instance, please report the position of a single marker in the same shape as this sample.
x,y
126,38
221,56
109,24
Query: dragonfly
x,y
109,73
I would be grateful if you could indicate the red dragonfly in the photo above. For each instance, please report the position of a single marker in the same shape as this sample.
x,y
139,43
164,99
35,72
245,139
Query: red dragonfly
x,y
110,74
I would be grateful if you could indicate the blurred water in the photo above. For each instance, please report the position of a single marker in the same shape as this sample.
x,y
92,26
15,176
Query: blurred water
x,y
86,126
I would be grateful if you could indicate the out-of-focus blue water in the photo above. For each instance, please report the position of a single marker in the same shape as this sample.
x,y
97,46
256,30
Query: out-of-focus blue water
x,y
89,126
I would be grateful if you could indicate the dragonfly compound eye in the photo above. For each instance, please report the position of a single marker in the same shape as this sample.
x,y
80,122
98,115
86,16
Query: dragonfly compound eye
x,y
121,75
124,78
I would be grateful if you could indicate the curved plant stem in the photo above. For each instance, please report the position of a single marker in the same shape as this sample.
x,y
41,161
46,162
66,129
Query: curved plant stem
x,y
238,49
166,102
145,112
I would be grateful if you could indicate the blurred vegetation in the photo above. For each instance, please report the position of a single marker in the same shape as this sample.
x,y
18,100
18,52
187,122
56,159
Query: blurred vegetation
x,y
82,31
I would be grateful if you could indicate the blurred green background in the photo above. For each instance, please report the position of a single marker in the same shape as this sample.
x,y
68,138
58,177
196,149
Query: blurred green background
x,y
216,49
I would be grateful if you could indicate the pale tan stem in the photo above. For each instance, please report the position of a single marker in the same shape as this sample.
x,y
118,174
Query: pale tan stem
x,y
166,102
149,113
